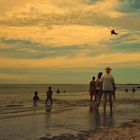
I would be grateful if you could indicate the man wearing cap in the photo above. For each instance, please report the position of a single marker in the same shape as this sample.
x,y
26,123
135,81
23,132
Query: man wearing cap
x,y
108,85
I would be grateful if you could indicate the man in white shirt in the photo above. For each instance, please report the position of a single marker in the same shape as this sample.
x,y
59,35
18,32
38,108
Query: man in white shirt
x,y
108,86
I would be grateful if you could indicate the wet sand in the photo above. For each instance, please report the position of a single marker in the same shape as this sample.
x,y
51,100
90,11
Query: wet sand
x,y
127,131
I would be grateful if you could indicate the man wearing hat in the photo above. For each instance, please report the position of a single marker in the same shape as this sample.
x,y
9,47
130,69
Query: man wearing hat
x,y
108,85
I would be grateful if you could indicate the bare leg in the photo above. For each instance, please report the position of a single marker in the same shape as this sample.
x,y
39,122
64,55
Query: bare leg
x,y
95,98
99,98
96,102
91,96
51,100
104,101
110,102
114,97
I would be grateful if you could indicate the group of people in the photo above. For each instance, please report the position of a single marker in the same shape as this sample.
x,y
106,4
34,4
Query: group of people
x,y
49,100
103,85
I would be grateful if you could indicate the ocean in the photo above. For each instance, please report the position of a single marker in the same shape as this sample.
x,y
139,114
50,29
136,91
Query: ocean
x,y
21,94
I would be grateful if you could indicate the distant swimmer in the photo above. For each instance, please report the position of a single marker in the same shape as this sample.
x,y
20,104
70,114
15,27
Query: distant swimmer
x,y
133,90
126,90
113,32
57,91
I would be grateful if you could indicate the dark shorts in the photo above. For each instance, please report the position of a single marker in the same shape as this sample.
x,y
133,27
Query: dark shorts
x,y
98,92
108,91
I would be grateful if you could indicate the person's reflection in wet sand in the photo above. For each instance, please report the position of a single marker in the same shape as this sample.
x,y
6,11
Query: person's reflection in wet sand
x,y
92,106
47,119
94,120
48,108
108,120
97,120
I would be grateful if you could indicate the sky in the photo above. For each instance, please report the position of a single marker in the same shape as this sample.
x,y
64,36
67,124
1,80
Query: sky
x,y
68,41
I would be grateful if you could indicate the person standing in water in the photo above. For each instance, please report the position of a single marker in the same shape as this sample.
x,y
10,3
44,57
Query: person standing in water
x,y
108,86
98,89
92,89
49,96
35,99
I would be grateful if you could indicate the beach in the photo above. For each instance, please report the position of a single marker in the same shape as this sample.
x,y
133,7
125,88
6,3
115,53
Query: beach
x,y
69,117
57,58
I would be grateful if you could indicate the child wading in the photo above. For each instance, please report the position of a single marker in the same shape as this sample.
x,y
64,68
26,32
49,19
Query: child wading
x,y
35,99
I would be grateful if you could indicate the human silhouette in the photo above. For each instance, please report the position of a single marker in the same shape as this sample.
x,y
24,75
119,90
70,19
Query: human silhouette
x,y
108,84
92,89
49,94
35,98
126,90
98,85
57,91
133,90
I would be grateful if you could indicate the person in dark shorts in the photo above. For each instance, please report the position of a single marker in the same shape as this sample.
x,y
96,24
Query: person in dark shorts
x,y
98,85
49,96
35,99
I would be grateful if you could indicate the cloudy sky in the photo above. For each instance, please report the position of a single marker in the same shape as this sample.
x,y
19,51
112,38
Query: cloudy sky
x,y
68,41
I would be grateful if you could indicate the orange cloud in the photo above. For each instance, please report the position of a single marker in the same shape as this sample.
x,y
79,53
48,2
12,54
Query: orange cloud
x,y
60,35
32,8
82,61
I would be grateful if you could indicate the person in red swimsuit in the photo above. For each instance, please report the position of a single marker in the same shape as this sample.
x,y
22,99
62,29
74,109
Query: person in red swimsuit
x,y
92,89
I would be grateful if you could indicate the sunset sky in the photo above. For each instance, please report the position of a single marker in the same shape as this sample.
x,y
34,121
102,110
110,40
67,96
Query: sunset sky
x,y
68,41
